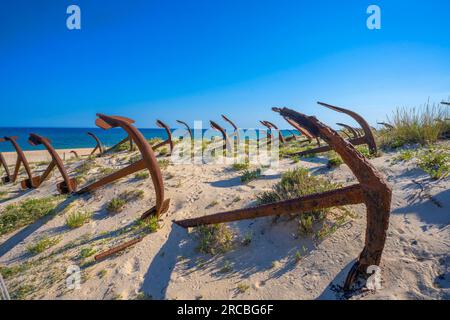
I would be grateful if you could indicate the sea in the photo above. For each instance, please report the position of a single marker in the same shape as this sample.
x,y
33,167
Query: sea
x,y
74,138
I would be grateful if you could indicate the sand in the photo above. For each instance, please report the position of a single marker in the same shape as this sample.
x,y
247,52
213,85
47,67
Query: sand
x,y
166,264
43,155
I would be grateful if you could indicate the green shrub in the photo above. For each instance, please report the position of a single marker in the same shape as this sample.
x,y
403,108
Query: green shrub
x,y
87,252
298,183
142,175
435,161
154,141
43,244
403,156
241,166
163,151
149,225
163,164
334,160
214,239
116,205
249,176
15,216
78,218
9,272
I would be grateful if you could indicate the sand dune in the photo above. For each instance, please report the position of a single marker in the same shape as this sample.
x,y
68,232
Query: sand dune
x,y
166,264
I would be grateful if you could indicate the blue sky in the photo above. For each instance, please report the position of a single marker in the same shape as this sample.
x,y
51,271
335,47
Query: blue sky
x,y
193,60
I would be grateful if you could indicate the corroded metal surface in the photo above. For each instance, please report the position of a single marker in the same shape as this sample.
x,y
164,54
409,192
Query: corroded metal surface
x,y
372,190
365,133
148,162
68,185
350,129
21,160
98,145
168,141
226,141
187,128
271,126
117,249
7,177
235,127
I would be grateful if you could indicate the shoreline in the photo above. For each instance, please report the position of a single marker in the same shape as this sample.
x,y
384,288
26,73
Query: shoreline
x,y
43,155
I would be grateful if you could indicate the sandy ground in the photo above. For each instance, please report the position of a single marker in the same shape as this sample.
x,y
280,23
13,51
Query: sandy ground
x,y
43,155
166,264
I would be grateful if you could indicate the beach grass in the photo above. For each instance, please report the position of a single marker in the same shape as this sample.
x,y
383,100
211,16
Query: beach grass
x,y
422,125
18,215
298,183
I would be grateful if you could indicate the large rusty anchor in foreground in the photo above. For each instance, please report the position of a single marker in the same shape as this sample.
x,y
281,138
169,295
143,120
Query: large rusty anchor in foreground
x,y
98,146
67,186
21,160
148,162
372,190
366,136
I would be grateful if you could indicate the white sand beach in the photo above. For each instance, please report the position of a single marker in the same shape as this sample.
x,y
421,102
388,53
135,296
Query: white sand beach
x,y
167,265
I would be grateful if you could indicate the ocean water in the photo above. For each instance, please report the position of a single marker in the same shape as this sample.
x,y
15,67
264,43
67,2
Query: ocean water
x,y
72,138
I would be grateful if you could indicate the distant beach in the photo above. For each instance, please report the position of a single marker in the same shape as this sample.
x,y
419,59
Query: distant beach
x,y
77,138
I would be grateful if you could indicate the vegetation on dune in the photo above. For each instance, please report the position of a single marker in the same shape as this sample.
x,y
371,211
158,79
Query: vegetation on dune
x,y
142,175
214,239
240,166
78,218
250,175
18,215
149,225
424,125
163,163
434,160
43,244
334,160
117,204
298,183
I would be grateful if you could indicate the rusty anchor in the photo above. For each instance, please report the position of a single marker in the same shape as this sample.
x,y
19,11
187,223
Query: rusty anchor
x,y
372,190
189,130
168,141
21,160
271,127
226,142
67,186
114,147
76,155
235,127
148,162
386,125
98,145
350,129
366,135
308,135
7,177
268,132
